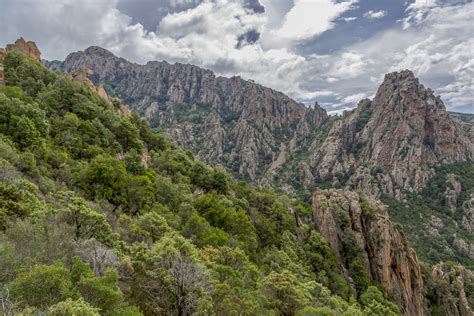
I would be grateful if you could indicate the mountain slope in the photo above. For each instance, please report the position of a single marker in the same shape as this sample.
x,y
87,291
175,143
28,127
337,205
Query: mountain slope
x,y
100,215
369,246
225,121
391,144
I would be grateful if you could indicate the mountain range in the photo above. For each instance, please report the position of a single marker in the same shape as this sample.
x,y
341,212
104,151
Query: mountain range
x,y
389,147
367,213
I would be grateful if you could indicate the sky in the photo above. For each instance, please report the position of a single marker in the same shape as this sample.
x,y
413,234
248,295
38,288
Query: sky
x,y
335,52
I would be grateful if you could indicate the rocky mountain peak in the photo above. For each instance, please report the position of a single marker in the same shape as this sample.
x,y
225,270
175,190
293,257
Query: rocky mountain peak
x,y
99,51
229,122
392,143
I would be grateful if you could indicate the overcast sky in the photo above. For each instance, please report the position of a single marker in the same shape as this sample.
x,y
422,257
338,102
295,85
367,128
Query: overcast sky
x,y
331,51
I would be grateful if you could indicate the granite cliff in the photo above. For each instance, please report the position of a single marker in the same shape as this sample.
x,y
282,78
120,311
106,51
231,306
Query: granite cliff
x,y
27,48
392,143
388,145
230,122
368,244
452,290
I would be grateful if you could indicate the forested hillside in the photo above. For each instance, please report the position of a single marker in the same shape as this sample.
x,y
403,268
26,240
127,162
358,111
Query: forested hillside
x,y
100,215
401,146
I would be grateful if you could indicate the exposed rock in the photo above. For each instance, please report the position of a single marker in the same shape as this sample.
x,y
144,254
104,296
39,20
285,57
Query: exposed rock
x,y
83,74
450,292
388,145
225,121
452,192
27,48
468,218
391,144
463,247
382,247
2,75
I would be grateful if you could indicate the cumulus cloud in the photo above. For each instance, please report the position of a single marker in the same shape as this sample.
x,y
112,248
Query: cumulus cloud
x,y
354,98
417,11
439,48
350,18
308,18
375,14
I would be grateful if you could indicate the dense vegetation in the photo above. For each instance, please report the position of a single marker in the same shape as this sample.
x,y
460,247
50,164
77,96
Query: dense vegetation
x,y
100,215
430,205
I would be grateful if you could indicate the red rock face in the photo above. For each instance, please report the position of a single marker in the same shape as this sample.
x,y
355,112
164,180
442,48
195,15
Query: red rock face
x,y
408,133
29,49
453,279
2,75
382,247
242,125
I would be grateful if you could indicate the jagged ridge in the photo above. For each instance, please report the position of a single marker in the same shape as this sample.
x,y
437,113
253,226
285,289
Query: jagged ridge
x,y
226,121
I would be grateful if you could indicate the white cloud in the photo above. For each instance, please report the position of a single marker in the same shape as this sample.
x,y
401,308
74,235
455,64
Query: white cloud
x,y
349,65
349,19
339,112
417,11
306,19
354,98
375,14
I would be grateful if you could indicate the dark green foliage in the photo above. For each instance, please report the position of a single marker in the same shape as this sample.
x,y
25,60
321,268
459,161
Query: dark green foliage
x,y
363,118
99,214
430,202
43,285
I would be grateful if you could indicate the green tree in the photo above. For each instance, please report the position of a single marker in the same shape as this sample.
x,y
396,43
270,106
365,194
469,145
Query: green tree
x,y
86,222
375,304
73,307
286,293
43,286
105,178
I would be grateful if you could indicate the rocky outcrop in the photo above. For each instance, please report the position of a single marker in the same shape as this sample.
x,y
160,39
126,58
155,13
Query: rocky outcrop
x,y
83,75
27,48
468,218
225,121
453,189
360,233
2,75
388,145
391,144
450,289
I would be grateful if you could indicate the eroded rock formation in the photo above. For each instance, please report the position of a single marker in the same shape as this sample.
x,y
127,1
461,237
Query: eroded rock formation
x,y
225,121
359,230
84,74
450,292
391,144
27,48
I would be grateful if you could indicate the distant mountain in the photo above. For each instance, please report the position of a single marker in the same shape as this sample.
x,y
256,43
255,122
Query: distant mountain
x,y
390,145
231,122
402,146
463,118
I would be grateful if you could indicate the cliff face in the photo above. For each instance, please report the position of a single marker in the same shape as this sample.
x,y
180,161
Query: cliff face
x,y
226,121
27,48
361,234
450,289
386,145
392,143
